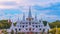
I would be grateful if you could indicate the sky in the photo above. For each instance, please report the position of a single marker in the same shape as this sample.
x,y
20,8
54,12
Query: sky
x,y
48,10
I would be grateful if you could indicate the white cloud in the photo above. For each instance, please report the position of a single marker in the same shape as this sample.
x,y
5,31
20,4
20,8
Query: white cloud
x,y
7,0
7,7
44,3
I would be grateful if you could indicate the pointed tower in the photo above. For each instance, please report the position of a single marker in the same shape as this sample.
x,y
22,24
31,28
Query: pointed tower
x,y
29,15
18,23
12,26
47,26
18,18
41,21
41,24
10,29
23,16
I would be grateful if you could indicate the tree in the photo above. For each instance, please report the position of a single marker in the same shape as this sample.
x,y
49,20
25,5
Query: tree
x,y
4,24
45,23
53,24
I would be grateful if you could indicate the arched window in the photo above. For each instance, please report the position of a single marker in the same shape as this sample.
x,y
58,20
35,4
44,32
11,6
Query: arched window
x,y
36,26
40,29
16,29
33,28
33,25
43,30
23,26
29,23
29,29
20,25
19,29
26,29
39,25
26,25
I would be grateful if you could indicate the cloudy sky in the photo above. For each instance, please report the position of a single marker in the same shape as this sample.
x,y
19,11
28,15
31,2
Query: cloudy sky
x,y
46,9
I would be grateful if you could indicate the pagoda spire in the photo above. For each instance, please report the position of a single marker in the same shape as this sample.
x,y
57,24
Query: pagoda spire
x,y
30,15
12,25
18,18
47,26
23,16
41,21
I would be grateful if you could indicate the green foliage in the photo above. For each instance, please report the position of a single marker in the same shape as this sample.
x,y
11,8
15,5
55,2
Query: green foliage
x,y
55,31
4,24
54,24
45,23
53,27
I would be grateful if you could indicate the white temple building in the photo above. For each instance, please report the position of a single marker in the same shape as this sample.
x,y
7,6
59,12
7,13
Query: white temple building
x,y
29,25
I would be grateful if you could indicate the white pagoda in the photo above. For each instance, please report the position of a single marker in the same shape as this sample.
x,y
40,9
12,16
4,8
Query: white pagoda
x,y
29,25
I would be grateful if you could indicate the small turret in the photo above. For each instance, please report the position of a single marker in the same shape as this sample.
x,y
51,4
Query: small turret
x,y
9,20
41,21
23,16
47,26
18,20
12,26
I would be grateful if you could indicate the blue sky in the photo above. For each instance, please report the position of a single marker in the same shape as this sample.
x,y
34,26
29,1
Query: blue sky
x,y
47,9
